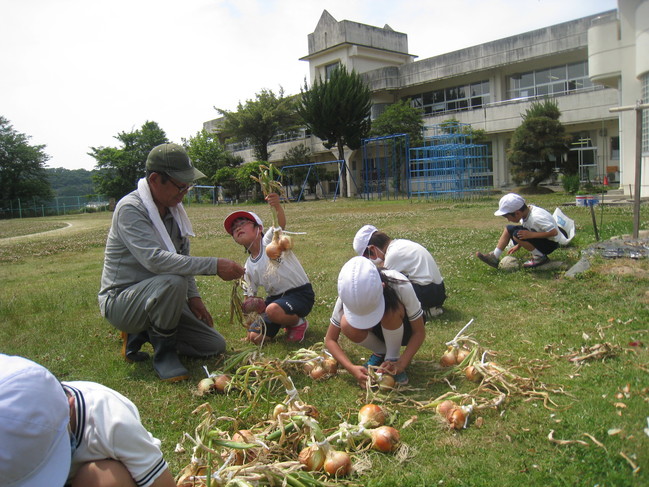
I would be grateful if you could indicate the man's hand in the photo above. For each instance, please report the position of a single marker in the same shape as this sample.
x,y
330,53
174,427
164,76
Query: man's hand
x,y
228,269
199,310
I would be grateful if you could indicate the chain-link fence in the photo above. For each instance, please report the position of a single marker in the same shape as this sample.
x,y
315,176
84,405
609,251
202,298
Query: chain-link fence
x,y
61,205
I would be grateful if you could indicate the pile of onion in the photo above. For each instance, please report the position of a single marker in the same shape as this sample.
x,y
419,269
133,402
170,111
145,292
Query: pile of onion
x,y
279,244
245,455
449,357
472,373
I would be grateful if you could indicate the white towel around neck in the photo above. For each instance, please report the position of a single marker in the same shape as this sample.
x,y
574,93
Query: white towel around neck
x,y
178,212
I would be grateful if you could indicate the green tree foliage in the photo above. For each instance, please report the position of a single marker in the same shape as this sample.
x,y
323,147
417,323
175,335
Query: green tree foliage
x,y
236,180
338,112
207,153
538,144
22,171
119,169
400,118
71,182
259,120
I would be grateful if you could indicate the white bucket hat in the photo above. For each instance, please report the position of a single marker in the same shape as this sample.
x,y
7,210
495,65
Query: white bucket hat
x,y
34,417
362,238
361,290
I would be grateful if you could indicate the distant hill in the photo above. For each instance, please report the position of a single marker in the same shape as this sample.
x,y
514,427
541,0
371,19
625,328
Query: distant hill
x,y
71,182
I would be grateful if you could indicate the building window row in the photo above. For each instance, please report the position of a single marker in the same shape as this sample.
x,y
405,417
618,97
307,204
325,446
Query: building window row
x,y
556,80
463,97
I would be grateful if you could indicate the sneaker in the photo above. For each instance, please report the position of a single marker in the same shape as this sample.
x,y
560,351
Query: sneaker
x,y
374,361
432,312
401,379
489,259
536,261
296,333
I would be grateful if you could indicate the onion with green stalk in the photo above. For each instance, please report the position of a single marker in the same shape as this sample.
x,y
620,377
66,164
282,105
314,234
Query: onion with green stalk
x,y
269,184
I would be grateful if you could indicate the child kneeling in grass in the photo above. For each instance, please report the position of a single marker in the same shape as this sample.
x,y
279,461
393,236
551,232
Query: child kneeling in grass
x,y
379,310
290,295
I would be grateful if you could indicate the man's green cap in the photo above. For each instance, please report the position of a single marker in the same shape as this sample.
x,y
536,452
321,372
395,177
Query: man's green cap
x,y
173,160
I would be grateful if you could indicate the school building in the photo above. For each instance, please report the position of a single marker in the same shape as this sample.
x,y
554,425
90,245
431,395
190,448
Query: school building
x,y
588,65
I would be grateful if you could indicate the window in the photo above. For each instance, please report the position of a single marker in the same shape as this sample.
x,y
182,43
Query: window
x,y
329,69
615,148
452,99
556,80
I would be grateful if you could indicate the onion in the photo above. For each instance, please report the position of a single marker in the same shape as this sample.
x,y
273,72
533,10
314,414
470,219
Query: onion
x,y
312,457
221,382
449,358
371,416
338,463
309,366
462,353
248,454
273,250
205,386
285,242
385,439
445,406
472,373
253,304
386,382
456,418
279,409
330,365
317,372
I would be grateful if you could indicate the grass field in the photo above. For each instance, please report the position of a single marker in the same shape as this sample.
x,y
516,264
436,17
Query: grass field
x,y
532,321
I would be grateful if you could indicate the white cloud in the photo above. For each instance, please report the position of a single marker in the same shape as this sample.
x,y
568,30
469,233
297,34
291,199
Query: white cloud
x,y
78,72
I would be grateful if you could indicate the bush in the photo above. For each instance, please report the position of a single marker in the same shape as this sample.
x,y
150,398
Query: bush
x,y
570,183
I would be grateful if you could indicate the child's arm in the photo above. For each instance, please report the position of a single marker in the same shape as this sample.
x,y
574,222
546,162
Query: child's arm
x,y
331,343
274,201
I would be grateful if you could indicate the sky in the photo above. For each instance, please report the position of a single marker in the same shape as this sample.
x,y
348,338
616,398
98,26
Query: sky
x,y
76,73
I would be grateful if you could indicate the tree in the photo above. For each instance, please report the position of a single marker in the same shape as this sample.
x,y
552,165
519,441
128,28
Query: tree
x,y
338,112
538,144
70,182
207,153
236,180
22,171
121,168
400,118
259,120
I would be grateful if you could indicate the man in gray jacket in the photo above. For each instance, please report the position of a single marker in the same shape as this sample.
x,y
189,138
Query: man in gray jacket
x,y
148,289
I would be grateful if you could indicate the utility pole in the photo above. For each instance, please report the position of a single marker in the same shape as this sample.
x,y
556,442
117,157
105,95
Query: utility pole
x,y
638,107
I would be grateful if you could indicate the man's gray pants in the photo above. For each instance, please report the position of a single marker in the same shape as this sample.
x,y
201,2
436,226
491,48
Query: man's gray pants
x,y
161,301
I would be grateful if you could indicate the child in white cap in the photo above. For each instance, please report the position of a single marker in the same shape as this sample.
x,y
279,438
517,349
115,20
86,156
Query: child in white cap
x,y
290,296
533,229
379,310
409,258
71,433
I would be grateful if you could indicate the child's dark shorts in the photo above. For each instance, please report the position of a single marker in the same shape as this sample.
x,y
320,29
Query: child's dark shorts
x,y
544,245
297,301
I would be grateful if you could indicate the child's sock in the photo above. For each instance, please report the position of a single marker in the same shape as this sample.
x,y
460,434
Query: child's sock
x,y
392,342
373,343
537,253
497,252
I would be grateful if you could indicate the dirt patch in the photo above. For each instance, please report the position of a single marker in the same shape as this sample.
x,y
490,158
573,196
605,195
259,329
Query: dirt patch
x,y
625,268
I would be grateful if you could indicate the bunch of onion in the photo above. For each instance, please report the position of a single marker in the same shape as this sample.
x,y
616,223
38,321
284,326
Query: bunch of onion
x,y
321,367
337,463
214,383
269,184
456,415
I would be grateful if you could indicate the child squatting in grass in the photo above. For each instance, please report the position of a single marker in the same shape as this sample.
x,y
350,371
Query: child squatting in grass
x,y
290,296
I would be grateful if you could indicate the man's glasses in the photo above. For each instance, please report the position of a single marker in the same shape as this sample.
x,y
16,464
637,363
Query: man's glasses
x,y
181,189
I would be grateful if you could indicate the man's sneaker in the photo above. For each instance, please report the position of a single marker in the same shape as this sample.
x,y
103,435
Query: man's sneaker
x,y
536,261
296,333
489,259
401,379
374,360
